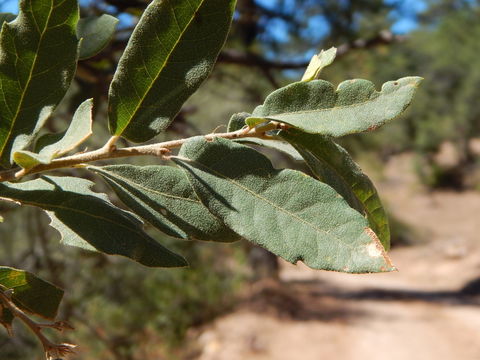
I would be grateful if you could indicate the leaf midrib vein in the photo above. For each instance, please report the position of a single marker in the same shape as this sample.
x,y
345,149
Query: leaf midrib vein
x,y
362,203
128,181
19,106
150,86
369,212
44,205
339,175
332,109
327,233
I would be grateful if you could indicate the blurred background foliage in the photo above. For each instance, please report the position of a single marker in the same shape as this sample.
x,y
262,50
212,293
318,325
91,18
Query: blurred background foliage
x,y
124,311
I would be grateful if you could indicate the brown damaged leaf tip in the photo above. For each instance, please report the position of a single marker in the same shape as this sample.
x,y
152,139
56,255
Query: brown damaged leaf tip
x,y
376,249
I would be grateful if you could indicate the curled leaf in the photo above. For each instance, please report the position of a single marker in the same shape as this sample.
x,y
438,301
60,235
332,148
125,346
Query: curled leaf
x,y
79,130
318,62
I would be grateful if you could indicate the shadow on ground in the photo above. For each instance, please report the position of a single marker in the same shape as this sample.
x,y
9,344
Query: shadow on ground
x,y
318,300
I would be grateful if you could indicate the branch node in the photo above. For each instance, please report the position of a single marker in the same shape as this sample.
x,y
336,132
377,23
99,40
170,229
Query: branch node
x,y
110,146
161,152
245,130
52,351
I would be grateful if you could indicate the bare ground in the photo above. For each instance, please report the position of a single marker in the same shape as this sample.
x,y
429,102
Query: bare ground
x,y
424,311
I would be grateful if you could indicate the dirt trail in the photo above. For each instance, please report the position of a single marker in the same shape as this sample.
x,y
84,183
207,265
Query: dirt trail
x,y
419,312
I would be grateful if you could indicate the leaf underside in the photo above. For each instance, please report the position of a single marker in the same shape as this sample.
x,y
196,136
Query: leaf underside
x,y
332,164
318,62
30,293
316,107
170,53
287,212
163,196
88,220
47,139
78,131
96,33
39,52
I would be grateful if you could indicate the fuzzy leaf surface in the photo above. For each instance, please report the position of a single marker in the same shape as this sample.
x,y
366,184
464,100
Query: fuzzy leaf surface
x,y
237,121
287,212
170,53
163,196
79,130
333,165
47,139
39,55
96,33
88,220
31,293
316,107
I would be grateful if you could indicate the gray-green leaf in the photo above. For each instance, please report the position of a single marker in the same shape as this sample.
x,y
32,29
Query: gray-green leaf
x,y
315,107
31,293
171,52
47,139
79,130
287,212
39,54
96,33
237,121
163,196
333,165
87,219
